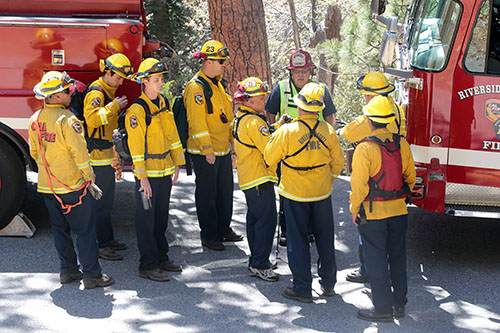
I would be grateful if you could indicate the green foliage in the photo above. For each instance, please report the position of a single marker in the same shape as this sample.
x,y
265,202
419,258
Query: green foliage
x,y
184,26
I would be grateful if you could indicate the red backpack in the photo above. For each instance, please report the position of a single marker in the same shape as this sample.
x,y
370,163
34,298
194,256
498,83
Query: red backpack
x,y
388,183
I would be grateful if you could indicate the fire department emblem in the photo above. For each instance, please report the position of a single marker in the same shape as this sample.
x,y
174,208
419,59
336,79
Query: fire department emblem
x,y
264,130
198,98
96,102
77,127
492,113
133,122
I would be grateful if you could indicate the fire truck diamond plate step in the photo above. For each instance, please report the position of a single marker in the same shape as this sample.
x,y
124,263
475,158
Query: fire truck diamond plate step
x,y
472,195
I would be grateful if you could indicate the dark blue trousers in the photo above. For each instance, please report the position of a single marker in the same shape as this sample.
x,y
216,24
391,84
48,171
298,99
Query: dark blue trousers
x,y
151,224
105,179
384,245
261,223
214,195
317,216
80,221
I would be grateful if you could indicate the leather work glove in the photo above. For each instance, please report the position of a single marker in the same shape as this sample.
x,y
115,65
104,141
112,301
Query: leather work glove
x,y
117,165
95,191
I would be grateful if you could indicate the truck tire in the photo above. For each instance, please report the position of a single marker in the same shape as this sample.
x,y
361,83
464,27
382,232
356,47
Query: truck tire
x,y
12,183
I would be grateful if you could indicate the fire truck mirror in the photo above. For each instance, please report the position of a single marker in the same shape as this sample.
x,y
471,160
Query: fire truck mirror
x,y
378,7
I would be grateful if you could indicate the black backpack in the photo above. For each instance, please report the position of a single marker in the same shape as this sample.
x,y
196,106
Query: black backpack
x,y
78,92
120,138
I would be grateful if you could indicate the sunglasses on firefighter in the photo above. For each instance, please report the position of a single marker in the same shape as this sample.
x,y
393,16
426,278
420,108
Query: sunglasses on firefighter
x,y
65,80
220,61
313,102
126,70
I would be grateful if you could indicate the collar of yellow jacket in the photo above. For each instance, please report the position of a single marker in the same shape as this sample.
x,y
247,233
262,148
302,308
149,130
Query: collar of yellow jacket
x,y
380,131
249,109
152,106
306,116
55,106
109,89
218,77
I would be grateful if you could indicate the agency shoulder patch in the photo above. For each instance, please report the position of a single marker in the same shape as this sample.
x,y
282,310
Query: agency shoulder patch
x,y
96,102
198,98
77,127
264,130
133,122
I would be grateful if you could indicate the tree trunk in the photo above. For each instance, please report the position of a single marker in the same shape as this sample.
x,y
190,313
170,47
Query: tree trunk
x,y
240,25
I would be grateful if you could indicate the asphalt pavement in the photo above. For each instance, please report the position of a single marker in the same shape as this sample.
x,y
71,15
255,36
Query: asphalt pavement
x,y
453,269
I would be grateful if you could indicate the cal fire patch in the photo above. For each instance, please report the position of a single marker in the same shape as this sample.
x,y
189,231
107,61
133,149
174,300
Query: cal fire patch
x,y
96,102
198,98
133,122
264,130
77,127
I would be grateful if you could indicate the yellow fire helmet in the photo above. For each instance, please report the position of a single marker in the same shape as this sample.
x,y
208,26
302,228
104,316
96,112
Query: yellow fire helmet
x,y
249,87
45,38
310,98
150,66
52,83
374,83
119,64
212,50
379,110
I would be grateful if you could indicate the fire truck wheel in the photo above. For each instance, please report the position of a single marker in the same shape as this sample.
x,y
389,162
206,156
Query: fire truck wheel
x,y
12,183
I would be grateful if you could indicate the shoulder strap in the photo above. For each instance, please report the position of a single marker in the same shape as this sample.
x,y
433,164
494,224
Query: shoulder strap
x,y
207,91
107,99
145,106
398,123
312,132
235,130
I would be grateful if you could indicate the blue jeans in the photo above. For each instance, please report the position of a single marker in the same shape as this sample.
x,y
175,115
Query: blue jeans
x,y
151,224
384,244
261,223
214,195
80,221
317,216
105,179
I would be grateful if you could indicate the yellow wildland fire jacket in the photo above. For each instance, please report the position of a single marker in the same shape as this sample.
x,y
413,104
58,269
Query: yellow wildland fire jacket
x,y
308,175
64,146
156,154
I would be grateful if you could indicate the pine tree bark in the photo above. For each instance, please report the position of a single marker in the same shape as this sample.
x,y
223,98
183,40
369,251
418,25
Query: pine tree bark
x,y
240,25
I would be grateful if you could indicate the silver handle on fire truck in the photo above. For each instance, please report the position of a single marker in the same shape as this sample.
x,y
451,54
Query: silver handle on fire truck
x,y
53,24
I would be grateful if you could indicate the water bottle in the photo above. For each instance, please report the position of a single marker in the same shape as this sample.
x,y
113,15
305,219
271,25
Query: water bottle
x,y
117,136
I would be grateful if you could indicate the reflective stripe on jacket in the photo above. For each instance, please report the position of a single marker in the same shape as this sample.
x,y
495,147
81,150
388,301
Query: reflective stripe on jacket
x,y
162,140
207,132
253,131
101,116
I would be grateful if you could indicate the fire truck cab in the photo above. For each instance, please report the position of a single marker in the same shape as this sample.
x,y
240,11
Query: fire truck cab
x,y
448,70
40,36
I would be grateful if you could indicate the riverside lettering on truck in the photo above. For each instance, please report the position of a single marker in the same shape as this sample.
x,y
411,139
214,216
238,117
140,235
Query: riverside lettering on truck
x,y
52,35
449,78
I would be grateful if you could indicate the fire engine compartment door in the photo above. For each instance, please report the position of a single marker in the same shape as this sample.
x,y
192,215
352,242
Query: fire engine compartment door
x,y
474,152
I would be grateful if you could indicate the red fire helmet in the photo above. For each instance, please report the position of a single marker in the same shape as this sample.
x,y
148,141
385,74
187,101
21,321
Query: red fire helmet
x,y
300,59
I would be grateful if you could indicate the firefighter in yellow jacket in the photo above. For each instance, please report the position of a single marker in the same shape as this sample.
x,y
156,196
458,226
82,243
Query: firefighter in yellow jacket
x,y
157,153
256,179
65,175
101,109
371,85
382,177
210,119
311,160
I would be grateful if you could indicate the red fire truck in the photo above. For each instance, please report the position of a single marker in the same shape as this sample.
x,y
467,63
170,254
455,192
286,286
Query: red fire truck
x,y
43,35
449,72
